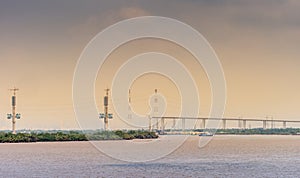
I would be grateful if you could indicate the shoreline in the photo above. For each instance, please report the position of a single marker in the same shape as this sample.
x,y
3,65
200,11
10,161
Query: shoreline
x,y
66,136
136,135
153,139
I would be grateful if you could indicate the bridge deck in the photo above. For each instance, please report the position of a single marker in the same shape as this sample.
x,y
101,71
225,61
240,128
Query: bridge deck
x,y
232,119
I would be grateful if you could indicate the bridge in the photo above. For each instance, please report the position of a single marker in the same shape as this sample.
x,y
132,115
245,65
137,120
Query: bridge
x,y
242,122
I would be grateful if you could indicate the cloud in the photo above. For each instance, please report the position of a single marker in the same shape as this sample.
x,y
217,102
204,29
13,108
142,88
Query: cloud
x,y
130,12
94,23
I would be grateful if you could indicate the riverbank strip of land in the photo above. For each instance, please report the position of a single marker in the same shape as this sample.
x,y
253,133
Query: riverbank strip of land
x,y
55,136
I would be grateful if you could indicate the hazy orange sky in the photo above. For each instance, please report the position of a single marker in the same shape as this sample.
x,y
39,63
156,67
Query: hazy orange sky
x,y
256,41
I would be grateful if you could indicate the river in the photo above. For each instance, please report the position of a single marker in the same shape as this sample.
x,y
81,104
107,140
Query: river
x,y
224,156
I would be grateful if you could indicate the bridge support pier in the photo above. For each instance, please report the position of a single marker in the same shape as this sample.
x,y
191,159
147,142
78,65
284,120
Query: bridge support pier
x,y
240,124
203,123
150,124
264,124
183,124
162,125
244,124
224,123
174,123
284,124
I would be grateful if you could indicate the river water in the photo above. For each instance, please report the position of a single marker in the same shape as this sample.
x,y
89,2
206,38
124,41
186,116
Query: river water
x,y
224,156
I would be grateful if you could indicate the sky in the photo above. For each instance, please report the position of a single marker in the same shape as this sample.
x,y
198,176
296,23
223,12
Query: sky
x,y
257,43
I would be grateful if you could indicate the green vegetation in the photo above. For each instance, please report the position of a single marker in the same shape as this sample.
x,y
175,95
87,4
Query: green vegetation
x,y
260,131
254,131
51,136
75,136
121,135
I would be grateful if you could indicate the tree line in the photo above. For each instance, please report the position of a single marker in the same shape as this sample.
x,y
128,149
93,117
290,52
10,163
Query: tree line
x,y
6,137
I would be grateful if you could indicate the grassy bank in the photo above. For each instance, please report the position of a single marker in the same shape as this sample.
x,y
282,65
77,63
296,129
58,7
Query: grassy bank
x,y
75,136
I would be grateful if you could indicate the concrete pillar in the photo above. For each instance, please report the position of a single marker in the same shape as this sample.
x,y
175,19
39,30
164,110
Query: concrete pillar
x,y
162,125
264,124
224,123
150,124
183,124
244,124
203,123
240,124
174,123
284,124
195,126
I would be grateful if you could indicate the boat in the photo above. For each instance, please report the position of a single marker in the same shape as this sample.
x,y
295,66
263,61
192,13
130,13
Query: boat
x,y
206,134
